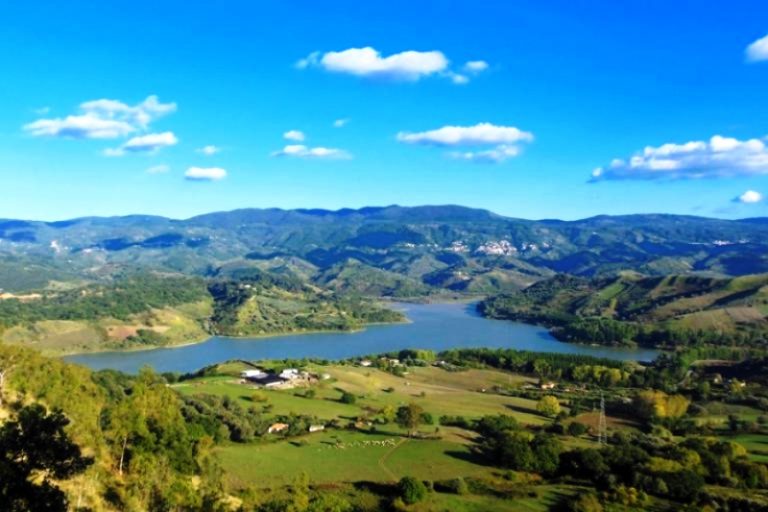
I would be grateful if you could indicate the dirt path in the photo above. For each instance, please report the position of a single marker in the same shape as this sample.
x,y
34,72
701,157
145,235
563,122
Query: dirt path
x,y
386,455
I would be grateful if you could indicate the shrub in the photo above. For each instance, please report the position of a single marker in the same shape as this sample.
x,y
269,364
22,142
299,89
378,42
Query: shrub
x,y
347,398
411,490
576,429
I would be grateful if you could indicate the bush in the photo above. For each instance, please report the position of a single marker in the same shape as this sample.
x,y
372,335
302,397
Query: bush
x,y
577,429
586,502
411,490
458,486
347,398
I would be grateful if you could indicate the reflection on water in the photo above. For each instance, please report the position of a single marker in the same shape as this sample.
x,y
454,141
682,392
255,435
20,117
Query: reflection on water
x,y
433,326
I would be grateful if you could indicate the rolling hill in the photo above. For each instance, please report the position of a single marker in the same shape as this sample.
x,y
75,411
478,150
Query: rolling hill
x,y
631,308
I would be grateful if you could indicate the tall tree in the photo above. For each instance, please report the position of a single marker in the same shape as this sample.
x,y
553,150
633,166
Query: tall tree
x,y
34,450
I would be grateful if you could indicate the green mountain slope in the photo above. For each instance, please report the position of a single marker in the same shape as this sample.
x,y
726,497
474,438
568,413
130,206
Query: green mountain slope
x,y
631,308
159,310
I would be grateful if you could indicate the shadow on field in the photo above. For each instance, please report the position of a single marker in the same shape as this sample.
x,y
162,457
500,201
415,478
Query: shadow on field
x,y
523,410
468,456
377,488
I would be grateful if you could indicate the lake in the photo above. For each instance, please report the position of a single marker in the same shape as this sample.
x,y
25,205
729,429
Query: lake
x,y
433,326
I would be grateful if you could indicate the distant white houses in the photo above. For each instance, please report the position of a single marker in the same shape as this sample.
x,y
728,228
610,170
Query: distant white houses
x,y
548,385
289,374
253,374
366,363
316,428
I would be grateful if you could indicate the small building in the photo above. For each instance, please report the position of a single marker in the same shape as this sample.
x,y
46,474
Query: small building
x,y
277,427
548,385
366,363
289,374
253,374
316,428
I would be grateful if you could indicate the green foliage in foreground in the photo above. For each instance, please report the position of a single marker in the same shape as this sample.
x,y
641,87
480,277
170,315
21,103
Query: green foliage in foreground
x,y
34,451
145,452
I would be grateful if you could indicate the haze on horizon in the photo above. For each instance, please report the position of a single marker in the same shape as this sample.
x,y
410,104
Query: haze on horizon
x,y
530,111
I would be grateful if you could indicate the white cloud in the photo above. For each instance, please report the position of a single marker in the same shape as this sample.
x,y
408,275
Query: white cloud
x,y
495,155
479,134
340,123
139,115
457,78
475,66
209,150
158,169
205,174
102,119
749,197
294,135
313,59
149,143
719,157
497,143
302,151
758,50
368,62
87,126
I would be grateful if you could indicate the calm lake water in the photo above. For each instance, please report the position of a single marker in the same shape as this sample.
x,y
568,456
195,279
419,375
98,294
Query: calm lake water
x,y
433,326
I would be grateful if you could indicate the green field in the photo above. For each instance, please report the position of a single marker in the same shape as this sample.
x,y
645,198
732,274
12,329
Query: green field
x,y
756,445
346,456
383,454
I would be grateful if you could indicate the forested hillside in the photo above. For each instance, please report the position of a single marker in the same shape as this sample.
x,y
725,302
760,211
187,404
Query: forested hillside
x,y
653,311
147,311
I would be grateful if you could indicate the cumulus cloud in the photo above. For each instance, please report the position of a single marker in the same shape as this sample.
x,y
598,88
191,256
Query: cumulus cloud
x,y
407,66
758,50
85,126
205,174
719,157
294,135
495,155
475,66
102,119
495,144
340,123
749,197
320,153
209,150
139,115
149,143
479,134
158,169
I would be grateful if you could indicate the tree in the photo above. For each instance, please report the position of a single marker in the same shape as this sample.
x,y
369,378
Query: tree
x,y
34,449
409,417
347,398
548,406
411,490
576,429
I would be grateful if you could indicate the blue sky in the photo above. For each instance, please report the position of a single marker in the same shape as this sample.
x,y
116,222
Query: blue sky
x,y
553,92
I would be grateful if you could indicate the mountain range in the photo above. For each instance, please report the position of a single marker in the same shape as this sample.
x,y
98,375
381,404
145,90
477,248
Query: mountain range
x,y
382,251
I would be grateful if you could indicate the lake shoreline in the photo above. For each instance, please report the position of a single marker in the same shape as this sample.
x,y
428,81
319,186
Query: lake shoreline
x,y
436,327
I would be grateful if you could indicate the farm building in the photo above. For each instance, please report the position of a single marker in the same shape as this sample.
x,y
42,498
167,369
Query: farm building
x,y
253,374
